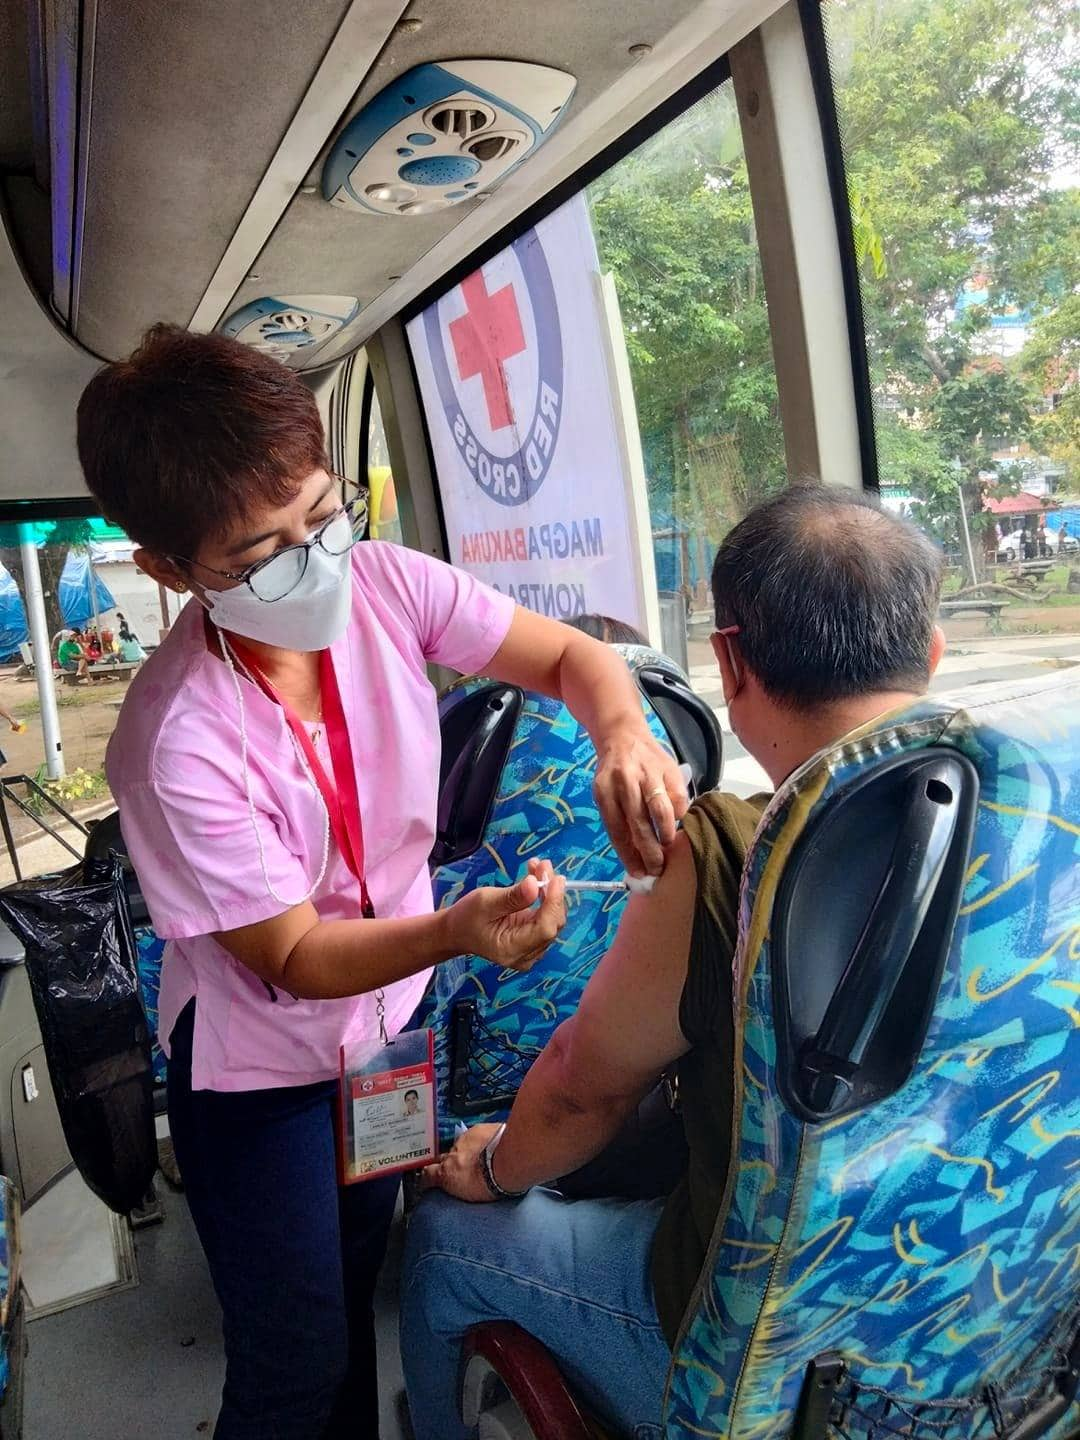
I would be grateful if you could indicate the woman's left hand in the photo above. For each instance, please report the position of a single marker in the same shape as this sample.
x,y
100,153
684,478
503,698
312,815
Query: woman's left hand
x,y
641,796
458,1172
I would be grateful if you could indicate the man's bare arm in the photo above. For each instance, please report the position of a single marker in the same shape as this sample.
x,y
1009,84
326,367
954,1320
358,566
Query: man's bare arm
x,y
600,1063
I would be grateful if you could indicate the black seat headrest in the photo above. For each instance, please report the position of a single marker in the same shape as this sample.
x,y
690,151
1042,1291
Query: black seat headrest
x,y
477,729
691,724
105,839
862,926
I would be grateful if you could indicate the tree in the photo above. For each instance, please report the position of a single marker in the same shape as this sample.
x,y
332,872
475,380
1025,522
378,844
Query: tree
x,y
1051,359
956,115
55,539
674,223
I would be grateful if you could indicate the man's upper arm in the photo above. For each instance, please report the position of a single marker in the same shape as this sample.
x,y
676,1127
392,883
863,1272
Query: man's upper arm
x,y
626,1031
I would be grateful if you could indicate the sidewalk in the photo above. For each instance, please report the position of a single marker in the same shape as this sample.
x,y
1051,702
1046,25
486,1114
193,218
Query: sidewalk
x,y
43,855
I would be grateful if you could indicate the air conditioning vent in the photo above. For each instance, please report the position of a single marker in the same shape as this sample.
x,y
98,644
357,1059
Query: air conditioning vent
x,y
298,328
292,328
441,135
461,121
495,147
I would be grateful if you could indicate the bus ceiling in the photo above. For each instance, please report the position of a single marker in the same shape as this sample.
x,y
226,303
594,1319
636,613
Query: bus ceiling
x,y
168,162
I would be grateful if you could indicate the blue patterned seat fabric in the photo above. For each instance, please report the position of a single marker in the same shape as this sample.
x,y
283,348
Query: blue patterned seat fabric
x,y
932,1240
9,1279
149,950
543,807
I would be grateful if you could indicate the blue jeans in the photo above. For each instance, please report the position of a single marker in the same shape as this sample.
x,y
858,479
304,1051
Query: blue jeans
x,y
574,1273
294,1259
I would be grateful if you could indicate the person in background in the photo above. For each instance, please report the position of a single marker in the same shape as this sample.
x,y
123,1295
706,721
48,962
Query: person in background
x,y
1063,539
611,632
72,656
131,652
123,628
91,645
825,619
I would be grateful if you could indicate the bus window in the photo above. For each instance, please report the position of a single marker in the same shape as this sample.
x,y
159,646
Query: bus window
x,y
384,523
964,196
63,674
673,223
525,428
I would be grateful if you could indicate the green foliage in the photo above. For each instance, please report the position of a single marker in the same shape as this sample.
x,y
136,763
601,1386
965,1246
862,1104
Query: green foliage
x,y
78,788
73,791
1051,360
956,116
674,223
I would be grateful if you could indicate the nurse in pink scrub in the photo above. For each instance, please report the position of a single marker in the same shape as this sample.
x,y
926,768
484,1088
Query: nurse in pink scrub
x,y
276,764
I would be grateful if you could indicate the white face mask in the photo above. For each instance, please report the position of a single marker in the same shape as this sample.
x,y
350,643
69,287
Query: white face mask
x,y
310,617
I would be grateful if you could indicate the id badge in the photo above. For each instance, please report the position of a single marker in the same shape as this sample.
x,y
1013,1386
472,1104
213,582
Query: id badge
x,y
387,1106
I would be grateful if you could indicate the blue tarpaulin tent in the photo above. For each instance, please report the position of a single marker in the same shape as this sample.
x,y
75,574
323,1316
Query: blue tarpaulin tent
x,y
76,605
12,615
1069,516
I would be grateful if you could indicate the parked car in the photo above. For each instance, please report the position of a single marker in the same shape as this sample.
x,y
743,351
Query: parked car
x,y
1012,546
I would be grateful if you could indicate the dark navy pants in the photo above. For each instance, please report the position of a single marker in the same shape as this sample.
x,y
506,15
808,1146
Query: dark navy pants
x,y
294,1258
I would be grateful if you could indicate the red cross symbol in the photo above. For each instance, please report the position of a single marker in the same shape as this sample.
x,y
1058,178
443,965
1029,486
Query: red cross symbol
x,y
487,334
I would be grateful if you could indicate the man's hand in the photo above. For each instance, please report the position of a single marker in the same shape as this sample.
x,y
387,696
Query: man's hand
x,y
641,796
458,1172
504,924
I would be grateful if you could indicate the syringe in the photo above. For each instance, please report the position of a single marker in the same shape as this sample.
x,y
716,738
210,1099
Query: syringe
x,y
635,886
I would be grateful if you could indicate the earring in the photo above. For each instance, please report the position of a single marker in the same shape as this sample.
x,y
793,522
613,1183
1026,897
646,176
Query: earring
x,y
181,586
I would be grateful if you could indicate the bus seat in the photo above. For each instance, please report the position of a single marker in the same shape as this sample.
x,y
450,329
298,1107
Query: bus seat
x,y
516,781
12,1315
106,838
899,1250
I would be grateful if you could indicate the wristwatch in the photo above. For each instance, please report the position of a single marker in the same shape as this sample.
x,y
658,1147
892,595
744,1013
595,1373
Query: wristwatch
x,y
496,1190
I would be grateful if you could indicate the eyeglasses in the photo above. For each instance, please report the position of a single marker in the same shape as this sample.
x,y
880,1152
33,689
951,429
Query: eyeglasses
x,y
273,578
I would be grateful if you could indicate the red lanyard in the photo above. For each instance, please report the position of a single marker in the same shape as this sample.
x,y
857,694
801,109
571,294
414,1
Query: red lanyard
x,y
342,798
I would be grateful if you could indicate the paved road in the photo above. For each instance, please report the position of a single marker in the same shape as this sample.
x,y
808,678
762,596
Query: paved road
x,y
971,661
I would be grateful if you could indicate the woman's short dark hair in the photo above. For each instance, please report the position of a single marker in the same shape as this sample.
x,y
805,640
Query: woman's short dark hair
x,y
181,440
833,596
603,627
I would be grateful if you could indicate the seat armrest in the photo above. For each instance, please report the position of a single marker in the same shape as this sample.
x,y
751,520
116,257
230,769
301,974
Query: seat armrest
x,y
501,1351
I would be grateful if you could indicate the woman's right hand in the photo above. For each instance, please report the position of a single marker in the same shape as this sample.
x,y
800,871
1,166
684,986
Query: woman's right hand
x,y
502,923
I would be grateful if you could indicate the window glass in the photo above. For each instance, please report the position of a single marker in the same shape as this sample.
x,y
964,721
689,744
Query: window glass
x,y
674,224
385,523
959,126
89,581
636,308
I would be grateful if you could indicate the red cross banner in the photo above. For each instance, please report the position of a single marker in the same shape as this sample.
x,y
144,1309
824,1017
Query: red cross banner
x,y
515,377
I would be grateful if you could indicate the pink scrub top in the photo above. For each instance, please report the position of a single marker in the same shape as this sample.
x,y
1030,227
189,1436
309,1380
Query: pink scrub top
x,y
173,766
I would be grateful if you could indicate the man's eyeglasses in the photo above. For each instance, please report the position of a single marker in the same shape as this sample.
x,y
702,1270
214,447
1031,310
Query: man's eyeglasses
x,y
273,578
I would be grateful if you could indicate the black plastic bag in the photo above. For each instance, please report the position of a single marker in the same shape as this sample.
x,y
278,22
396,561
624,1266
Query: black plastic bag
x,y
80,955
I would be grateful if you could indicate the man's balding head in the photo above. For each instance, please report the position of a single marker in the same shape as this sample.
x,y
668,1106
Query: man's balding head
x,y
834,598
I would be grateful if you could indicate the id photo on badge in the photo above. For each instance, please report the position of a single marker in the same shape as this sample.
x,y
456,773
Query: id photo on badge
x,y
387,1106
